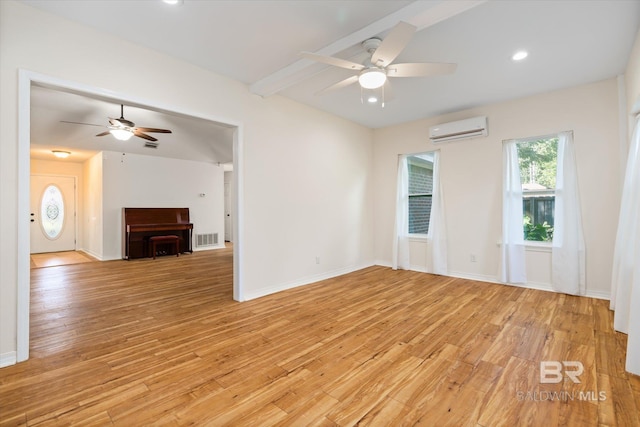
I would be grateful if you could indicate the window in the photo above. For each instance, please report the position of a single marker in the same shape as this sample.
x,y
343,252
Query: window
x,y
420,168
52,212
537,158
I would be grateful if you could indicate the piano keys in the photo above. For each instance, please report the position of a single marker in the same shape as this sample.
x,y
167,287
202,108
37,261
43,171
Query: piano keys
x,y
141,223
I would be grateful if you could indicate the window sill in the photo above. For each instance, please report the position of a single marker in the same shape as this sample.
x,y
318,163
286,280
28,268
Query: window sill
x,y
418,238
531,246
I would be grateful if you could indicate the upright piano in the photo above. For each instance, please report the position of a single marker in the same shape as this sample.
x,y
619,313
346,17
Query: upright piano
x,y
141,223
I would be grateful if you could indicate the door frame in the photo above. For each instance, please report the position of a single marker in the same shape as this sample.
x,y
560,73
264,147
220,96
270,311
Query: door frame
x,y
28,78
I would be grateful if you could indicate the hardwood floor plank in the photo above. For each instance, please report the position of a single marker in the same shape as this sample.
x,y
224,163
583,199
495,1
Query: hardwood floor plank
x,y
163,343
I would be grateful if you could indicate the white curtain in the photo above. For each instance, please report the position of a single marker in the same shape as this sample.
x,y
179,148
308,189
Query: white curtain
x,y
625,280
512,265
567,253
401,230
436,238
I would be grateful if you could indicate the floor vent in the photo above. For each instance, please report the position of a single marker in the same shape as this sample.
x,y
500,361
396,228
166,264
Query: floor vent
x,y
209,239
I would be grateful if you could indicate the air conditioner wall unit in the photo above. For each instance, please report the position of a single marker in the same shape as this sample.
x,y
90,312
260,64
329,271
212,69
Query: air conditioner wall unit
x,y
461,129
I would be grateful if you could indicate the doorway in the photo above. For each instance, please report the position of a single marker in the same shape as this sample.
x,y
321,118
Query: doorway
x,y
27,79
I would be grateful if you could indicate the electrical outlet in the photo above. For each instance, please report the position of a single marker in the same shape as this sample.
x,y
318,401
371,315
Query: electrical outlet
x,y
317,260
473,257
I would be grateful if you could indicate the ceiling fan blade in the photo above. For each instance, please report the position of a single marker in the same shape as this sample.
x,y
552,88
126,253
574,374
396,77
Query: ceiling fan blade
x,y
393,44
103,133
143,135
79,123
343,83
423,69
141,129
336,62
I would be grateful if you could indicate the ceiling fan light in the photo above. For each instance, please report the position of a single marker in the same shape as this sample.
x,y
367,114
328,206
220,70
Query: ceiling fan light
x,y
372,78
121,134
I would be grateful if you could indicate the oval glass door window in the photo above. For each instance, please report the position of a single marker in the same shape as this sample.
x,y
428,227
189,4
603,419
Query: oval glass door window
x,y
52,212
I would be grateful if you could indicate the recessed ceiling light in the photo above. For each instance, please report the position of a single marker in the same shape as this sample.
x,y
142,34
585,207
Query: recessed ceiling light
x,y
520,55
173,2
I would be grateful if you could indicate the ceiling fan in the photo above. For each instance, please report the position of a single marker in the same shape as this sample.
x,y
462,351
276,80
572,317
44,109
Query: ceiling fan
x,y
373,73
124,129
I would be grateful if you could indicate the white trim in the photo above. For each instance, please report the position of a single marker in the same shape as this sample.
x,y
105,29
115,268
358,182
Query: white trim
x,y
635,110
491,279
8,359
25,80
531,246
238,212
306,280
529,285
23,229
209,248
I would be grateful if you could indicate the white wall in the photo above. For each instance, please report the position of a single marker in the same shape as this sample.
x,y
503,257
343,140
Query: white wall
x,y
472,179
137,181
93,216
306,174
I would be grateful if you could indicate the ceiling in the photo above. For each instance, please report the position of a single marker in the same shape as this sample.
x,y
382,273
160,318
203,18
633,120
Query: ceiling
x,y
258,43
191,138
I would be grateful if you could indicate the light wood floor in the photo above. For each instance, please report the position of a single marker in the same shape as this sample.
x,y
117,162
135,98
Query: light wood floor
x,y
162,343
54,259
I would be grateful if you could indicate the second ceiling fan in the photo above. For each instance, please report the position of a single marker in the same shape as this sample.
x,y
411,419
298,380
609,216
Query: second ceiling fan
x,y
373,73
124,129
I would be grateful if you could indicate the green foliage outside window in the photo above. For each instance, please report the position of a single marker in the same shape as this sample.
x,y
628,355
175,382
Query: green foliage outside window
x,y
537,161
537,232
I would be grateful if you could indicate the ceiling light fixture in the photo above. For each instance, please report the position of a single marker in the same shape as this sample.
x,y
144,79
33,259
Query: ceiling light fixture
x,y
121,134
173,2
372,78
61,154
520,55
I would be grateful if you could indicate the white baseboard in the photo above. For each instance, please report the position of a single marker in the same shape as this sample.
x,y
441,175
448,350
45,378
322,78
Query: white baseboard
x,y
529,285
305,281
492,279
96,256
8,359
210,248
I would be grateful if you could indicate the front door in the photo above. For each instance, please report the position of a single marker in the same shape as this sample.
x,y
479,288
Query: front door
x,y
53,213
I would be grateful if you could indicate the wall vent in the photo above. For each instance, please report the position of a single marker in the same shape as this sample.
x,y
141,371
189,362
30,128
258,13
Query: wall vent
x,y
151,144
208,239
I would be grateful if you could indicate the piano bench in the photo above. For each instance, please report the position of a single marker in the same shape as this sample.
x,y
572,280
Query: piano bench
x,y
163,240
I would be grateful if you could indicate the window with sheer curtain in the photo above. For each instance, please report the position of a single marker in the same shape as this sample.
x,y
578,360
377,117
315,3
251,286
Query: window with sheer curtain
x,y
420,211
521,158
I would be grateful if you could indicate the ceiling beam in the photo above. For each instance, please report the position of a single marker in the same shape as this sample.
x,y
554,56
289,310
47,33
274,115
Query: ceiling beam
x,y
422,14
